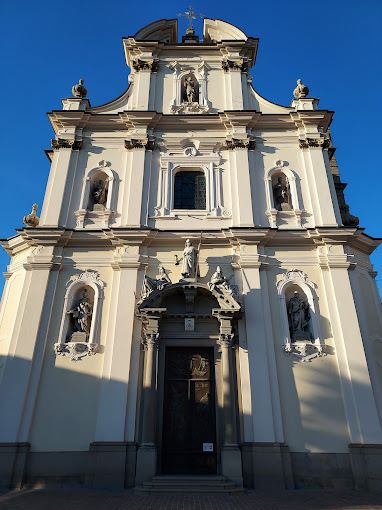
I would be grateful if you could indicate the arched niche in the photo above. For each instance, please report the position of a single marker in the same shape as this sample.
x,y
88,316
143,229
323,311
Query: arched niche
x,y
280,180
181,102
97,197
313,345
86,285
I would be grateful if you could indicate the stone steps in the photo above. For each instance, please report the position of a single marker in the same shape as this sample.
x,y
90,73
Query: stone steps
x,y
189,484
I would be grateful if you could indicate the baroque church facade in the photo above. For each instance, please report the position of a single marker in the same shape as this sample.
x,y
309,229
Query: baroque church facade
x,y
195,298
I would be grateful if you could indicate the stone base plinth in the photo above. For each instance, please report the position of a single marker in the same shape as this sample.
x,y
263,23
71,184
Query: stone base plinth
x,y
13,458
366,463
232,464
146,464
108,463
267,466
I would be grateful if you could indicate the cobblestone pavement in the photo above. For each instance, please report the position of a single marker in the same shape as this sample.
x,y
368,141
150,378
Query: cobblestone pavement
x,y
84,499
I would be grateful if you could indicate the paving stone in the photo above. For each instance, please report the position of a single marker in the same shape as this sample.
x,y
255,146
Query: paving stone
x,y
85,499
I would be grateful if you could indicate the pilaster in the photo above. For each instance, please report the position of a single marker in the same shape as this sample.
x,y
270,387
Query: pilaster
x,y
23,362
111,417
240,183
60,182
319,181
136,171
360,406
261,361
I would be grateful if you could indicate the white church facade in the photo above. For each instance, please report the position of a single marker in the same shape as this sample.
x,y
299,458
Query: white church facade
x,y
195,298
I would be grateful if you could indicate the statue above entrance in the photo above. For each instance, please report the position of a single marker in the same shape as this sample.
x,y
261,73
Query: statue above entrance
x,y
151,284
189,261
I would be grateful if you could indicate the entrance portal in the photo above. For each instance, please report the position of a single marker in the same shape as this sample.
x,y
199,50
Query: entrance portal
x,y
189,412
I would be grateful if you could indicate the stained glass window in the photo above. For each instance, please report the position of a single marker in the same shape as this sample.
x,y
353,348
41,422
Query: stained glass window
x,y
190,190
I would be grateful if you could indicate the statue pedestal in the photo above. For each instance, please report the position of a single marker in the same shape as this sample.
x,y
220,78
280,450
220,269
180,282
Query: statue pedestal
x,y
188,280
79,336
98,207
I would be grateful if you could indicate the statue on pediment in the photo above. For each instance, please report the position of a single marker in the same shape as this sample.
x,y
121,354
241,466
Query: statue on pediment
x,y
158,283
219,282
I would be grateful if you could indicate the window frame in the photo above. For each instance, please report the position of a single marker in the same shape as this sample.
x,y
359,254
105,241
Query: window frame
x,y
198,171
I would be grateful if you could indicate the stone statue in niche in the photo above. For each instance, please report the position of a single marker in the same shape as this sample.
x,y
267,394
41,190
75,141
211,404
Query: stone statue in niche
x,y
190,92
81,319
299,318
151,284
99,194
219,282
190,260
281,194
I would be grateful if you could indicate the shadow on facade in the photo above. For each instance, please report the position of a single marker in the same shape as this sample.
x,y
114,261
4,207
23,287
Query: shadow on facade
x,y
56,442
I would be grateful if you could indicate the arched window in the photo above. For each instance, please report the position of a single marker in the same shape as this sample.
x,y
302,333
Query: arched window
x,y
190,190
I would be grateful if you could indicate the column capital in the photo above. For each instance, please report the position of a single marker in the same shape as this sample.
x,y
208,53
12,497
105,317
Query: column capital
x,y
226,340
150,340
320,142
64,143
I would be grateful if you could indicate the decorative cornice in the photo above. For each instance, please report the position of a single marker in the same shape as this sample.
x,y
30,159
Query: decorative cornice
x,y
231,65
321,142
63,143
142,65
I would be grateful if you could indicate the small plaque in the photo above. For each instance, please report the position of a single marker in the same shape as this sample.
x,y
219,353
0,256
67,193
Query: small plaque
x,y
208,447
189,324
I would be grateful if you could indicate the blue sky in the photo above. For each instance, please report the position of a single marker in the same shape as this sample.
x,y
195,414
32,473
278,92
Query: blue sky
x,y
334,46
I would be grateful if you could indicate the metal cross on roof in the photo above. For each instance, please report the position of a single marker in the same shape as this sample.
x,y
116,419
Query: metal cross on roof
x,y
190,15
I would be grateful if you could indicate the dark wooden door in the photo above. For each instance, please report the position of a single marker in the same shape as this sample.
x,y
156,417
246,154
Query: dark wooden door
x,y
189,413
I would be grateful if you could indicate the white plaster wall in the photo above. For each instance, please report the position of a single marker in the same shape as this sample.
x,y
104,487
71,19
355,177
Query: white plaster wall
x,y
9,305
66,407
311,399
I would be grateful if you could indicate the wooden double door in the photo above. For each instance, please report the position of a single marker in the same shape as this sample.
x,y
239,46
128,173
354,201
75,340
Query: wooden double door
x,y
189,412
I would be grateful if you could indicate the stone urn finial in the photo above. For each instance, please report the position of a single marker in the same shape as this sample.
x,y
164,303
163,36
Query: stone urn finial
x,y
32,220
79,90
301,90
